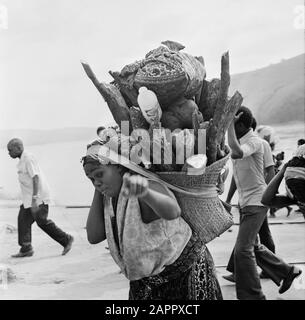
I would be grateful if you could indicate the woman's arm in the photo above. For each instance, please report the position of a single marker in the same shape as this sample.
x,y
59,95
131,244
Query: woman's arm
x,y
279,201
161,202
270,198
153,196
269,174
95,223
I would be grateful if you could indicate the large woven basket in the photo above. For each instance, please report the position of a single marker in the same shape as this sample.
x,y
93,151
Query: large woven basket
x,y
206,215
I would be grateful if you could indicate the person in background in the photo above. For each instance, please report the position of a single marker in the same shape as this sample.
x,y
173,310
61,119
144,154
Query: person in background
x,y
301,142
267,133
247,153
293,173
264,232
35,202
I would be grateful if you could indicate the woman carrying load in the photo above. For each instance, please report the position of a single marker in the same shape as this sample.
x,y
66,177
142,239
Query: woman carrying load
x,y
147,237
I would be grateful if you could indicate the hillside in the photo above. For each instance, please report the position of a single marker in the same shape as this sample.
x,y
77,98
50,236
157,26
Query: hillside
x,y
274,93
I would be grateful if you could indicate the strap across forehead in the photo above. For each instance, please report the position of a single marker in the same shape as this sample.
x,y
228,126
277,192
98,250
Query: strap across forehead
x,y
99,154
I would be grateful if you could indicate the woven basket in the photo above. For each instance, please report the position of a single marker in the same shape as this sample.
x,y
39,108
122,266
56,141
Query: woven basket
x,y
206,216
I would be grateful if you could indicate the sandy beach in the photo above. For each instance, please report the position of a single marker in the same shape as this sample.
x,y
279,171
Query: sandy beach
x,y
88,271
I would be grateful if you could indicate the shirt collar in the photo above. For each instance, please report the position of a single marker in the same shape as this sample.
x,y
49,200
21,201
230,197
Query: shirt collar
x,y
22,156
247,136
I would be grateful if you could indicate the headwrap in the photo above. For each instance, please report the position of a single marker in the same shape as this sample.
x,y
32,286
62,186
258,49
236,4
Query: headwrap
x,y
109,148
267,133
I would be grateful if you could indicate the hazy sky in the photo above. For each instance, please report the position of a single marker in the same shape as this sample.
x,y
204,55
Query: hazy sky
x,y
42,84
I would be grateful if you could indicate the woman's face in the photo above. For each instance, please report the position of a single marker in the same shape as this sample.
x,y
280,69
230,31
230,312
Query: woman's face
x,y
107,179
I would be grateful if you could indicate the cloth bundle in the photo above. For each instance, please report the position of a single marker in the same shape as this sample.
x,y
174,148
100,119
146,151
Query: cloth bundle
x,y
170,74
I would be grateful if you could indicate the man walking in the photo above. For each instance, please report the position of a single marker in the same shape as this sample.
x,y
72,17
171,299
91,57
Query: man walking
x,y
265,235
35,200
247,154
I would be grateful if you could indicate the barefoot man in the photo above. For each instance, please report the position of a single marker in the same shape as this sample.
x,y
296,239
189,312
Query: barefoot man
x,y
35,200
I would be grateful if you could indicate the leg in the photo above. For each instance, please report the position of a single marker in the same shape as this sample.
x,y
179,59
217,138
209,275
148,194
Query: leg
x,y
230,266
265,236
271,264
49,227
248,285
25,221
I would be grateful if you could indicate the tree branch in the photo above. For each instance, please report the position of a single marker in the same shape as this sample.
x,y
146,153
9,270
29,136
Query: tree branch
x,y
111,95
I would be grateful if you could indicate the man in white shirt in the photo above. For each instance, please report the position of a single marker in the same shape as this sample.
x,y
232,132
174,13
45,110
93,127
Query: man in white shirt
x,y
35,202
265,235
247,154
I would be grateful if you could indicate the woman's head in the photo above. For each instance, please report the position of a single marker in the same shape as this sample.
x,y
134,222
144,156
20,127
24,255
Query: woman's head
x,y
105,174
106,178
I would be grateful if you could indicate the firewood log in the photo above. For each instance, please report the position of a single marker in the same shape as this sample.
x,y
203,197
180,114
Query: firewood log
x,y
127,89
219,113
112,96
208,98
229,112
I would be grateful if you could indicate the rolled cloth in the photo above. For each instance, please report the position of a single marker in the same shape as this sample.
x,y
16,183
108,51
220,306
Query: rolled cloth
x,y
267,133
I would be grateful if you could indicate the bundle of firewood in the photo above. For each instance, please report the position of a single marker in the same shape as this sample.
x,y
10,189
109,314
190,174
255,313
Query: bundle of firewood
x,y
187,99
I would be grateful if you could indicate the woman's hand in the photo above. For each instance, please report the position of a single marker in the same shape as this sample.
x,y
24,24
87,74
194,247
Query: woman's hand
x,y
134,186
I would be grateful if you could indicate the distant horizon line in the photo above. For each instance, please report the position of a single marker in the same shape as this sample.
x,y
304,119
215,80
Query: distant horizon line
x,y
95,127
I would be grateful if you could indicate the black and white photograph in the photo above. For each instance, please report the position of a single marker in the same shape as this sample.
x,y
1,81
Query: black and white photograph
x,y
152,151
